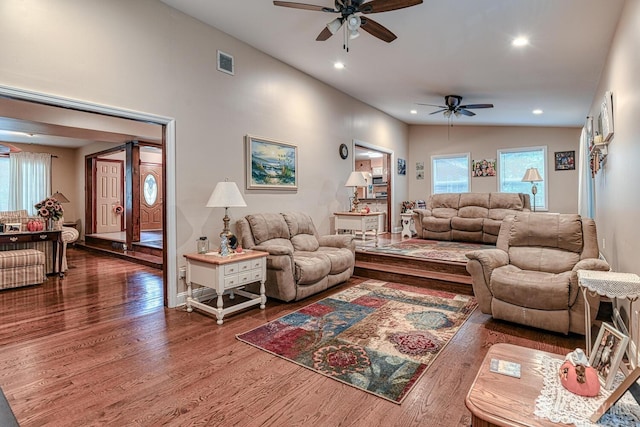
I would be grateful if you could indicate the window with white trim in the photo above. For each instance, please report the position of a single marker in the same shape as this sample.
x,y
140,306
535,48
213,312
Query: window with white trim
x,y
4,183
512,165
450,173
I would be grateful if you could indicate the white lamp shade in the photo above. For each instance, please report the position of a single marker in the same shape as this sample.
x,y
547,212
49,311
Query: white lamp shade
x,y
334,25
356,179
532,175
226,195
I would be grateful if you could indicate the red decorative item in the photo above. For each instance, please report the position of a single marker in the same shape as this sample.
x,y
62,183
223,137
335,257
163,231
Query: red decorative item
x,y
581,380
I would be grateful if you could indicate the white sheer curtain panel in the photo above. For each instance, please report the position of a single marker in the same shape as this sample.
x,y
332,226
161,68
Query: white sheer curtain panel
x,y
30,180
586,206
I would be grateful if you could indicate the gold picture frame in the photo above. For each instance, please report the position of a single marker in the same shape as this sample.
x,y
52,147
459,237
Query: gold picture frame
x,y
271,165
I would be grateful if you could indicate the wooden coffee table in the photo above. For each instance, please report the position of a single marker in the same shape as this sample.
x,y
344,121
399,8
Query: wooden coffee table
x,y
500,400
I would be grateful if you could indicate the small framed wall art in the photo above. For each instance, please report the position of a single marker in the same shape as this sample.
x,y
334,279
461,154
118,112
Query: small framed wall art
x,y
271,165
565,160
606,116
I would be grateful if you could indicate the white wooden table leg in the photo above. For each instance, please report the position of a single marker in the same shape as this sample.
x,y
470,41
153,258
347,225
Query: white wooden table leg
x,y
263,297
189,297
219,315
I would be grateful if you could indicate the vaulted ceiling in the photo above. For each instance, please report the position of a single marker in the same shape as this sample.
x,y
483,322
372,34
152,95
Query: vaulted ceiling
x,y
460,47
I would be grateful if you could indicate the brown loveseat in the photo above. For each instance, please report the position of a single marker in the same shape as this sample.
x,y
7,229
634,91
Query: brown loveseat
x,y
300,262
531,277
467,217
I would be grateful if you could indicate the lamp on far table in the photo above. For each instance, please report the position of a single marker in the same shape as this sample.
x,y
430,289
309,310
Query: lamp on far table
x,y
60,197
532,175
356,180
226,195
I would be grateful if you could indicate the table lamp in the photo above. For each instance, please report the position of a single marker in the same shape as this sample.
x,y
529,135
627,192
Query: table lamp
x,y
60,197
356,179
226,195
532,175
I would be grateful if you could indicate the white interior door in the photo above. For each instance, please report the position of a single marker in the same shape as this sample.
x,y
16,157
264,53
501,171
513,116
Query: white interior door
x,y
109,195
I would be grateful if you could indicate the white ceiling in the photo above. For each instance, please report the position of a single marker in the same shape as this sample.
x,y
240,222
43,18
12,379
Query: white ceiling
x,y
460,47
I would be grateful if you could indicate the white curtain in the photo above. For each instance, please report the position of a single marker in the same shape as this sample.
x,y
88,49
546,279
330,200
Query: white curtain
x,y
586,205
30,180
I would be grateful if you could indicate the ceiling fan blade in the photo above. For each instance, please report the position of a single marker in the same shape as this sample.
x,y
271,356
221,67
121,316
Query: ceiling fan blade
x,y
465,112
431,105
377,30
324,34
477,106
438,111
304,6
376,6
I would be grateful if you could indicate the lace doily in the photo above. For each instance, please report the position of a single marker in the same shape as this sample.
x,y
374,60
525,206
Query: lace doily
x,y
559,405
610,283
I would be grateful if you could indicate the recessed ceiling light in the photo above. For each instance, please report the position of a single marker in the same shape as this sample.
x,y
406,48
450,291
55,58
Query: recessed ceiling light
x,y
338,65
520,41
414,111
537,111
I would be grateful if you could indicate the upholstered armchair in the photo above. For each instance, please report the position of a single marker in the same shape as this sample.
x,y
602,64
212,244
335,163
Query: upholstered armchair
x,y
300,262
531,277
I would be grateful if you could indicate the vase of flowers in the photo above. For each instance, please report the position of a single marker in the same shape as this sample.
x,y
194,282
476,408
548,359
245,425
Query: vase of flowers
x,y
51,210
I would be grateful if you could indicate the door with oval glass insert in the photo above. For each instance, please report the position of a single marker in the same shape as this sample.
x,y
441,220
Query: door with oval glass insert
x,y
151,196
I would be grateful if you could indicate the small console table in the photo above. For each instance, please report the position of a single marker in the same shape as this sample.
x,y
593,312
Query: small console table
x,y
612,285
226,274
358,221
53,236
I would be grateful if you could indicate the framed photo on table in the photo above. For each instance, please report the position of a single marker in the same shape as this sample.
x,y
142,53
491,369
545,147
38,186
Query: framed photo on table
x,y
607,352
13,227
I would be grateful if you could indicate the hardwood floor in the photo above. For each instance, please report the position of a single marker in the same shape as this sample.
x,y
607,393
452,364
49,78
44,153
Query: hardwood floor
x,y
98,348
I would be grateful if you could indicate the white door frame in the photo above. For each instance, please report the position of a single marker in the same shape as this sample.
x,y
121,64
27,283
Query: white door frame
x,y
171,277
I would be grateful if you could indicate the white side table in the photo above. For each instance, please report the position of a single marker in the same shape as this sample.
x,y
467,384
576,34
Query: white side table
x,y
610,284
408,225
358,221
226,274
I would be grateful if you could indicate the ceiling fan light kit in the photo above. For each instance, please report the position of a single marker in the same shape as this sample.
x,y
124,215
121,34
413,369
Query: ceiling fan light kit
x,y
350,11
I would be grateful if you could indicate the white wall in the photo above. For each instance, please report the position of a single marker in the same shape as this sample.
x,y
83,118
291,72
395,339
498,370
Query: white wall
x,y
144,56
617,195
482,142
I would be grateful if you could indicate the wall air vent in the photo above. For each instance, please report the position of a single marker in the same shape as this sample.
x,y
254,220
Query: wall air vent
x,y
225,62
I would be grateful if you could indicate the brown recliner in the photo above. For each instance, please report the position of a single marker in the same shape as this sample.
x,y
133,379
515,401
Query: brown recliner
x,y
531,277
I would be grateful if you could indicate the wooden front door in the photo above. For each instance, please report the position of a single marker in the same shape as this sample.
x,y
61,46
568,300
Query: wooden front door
x,y
151,196
109,194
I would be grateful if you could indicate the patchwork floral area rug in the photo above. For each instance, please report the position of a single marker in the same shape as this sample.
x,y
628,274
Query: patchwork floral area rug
x,y
431,249
377,336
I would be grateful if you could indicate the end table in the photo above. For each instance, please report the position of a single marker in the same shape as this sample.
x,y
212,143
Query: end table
x,y
612,285
226,274
408,225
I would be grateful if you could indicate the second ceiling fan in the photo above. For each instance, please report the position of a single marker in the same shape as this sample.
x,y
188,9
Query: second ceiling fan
x,y
452,106
351,12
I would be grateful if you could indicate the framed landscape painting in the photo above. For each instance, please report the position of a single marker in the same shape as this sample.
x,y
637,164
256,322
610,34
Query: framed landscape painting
x,y
271,165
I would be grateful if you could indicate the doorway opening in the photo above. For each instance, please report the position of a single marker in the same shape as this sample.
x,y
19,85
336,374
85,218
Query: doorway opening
x,y
37,99
376,163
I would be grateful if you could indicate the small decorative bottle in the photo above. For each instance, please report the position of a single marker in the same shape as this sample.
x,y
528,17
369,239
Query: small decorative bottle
x,y
203,245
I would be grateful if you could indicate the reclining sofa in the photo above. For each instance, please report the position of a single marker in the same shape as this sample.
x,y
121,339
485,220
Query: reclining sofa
x,y
300,262
467,217
531,277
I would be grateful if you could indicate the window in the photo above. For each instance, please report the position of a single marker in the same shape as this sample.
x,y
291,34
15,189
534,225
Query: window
x,y
450,173
513,163
4,183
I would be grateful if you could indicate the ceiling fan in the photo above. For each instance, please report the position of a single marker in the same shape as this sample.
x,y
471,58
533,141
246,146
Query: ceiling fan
x,y
351,12
452,106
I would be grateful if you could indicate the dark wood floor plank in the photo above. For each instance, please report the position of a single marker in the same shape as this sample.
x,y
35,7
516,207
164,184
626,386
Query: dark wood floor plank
x,y
98,348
